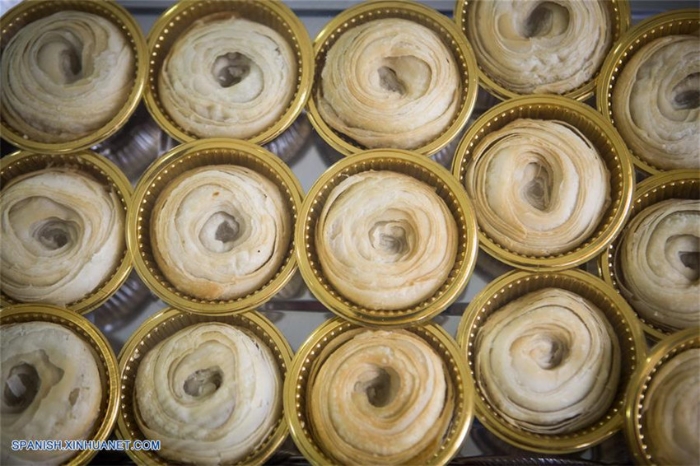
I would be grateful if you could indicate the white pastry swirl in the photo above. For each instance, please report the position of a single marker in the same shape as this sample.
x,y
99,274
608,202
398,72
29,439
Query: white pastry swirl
x,y
220,232
62,236
539,187
670,411
51,390
227,77
386,240
539,47
389,83
656,102
548,362
658,260
211,393
65,76
382,397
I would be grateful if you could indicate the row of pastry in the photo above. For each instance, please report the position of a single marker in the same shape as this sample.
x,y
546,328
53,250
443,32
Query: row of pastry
x,y
379,75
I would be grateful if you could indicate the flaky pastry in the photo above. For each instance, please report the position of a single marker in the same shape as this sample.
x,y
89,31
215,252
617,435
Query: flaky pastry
x,y
211,393
389,83
656,102
658,261
539,47
220,231
52,390
539,186
548,362
62,236
65,75
382,397
386,240
227,76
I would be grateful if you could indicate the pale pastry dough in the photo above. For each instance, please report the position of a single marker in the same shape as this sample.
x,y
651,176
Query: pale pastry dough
x,y
386,240
227,77
220,232
656,102
65,75
389,83
52,390
539,47
548,362
62,236
658,260
211,393
539,187
670,411
382,397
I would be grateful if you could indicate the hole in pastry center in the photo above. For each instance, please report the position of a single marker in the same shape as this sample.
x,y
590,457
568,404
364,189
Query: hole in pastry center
x,y
227,230
61,59
54,234
203,382
390,81
538,188
21,387
548,18
691,260
684,252
389,237
220,232
687,93
378,387
231,68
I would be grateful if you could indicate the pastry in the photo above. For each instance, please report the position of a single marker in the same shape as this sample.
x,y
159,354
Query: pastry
x,y
539,187
382,397
389,83
227,76
385,240
539,47
220,232
670,411
61,68
656,102
62,236
211,393
658,260
548,362
52,390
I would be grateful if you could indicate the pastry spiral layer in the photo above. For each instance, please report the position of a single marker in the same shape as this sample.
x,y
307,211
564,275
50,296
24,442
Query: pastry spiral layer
x,y
382,397
51,389
656,102
211,393
658,260
220,232
540,47
548,362
60,68
386,240
539,187
227,77
62,235
389,83
670,410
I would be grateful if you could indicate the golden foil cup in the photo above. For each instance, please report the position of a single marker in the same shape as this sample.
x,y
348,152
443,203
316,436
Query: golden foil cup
x,y
604,138
512,286
660,25
420,168
618,10
27,12
412,11
679,184
106,363
100,169
272,13
166,323
335,332
635,428
179,160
